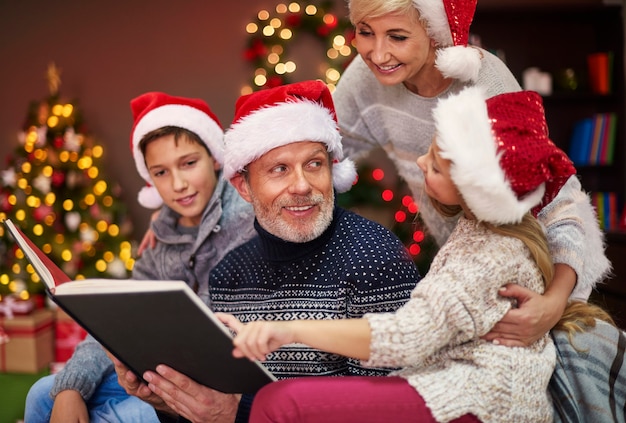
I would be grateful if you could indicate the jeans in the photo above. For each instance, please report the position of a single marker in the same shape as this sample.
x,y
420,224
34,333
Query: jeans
x,y
109,403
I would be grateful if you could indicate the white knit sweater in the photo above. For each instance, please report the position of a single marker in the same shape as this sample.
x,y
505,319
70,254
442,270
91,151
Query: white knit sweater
x,y
435,336
392,117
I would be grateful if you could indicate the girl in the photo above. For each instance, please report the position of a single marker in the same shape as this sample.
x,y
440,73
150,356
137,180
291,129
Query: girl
x,y
491,160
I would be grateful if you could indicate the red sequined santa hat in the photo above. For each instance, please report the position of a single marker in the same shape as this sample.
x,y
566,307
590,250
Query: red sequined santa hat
x,y
154,110
503,162
271,118
448,24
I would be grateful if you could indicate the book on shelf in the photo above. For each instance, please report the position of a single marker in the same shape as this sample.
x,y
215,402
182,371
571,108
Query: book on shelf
x,y
606,205
146,323
600,71
593,140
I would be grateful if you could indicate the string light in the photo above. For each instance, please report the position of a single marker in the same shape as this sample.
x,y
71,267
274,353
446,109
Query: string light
x,y
270,35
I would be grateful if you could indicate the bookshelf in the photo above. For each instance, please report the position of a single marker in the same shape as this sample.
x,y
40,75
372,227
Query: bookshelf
x,y
556,36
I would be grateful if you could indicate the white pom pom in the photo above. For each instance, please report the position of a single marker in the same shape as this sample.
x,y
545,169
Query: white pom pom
x,y
344,175
459,62
149,198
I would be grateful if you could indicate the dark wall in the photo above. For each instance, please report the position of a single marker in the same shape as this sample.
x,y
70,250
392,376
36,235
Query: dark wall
x,y
111,51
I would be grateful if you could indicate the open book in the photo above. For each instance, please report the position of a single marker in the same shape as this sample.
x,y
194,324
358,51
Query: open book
x,y
146,323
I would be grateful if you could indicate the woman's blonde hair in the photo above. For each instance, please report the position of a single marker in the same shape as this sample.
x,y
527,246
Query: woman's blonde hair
x,y
361,9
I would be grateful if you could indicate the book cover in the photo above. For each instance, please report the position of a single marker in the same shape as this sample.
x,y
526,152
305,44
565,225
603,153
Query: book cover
x,y
580,142
610,138
598,126
598,71
146,323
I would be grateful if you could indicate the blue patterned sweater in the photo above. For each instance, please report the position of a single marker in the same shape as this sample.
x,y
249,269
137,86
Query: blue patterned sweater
x,y
356,267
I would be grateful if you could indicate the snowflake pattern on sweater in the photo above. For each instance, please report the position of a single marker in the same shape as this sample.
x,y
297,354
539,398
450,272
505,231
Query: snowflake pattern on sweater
x,y
355,267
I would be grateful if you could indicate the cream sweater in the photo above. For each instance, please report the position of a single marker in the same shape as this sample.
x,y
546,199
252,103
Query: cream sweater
x,y
435,336
391,117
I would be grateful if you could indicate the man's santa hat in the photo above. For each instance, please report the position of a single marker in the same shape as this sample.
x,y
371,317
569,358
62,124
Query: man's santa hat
x,y
271,118
154,110
503,162
448,24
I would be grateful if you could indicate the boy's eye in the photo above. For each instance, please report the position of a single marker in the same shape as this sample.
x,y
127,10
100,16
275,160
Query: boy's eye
x,y
158,173
190,162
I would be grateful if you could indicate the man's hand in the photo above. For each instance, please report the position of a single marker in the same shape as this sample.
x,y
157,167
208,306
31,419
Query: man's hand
x,y
69,407
134,386
191,400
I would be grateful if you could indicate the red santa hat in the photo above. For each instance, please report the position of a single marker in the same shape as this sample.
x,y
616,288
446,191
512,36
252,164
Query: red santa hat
x,y
448,23
503,162
271,118
154,110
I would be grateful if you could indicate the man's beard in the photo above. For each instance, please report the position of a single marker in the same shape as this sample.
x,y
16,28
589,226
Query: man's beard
x,y
271,220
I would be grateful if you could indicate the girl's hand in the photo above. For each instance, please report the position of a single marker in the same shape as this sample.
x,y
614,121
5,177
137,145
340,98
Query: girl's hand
x,y
257,339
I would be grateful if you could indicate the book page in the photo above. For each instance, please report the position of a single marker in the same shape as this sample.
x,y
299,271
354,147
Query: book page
x,y
49,273
107,286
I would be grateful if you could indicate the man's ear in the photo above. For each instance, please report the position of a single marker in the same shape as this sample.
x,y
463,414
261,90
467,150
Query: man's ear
x,y
241,185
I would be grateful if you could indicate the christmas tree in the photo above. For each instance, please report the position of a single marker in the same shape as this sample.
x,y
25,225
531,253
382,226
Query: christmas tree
x,y
54,190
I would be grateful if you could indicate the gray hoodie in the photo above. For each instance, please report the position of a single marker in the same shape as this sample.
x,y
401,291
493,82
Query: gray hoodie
x,y
180,254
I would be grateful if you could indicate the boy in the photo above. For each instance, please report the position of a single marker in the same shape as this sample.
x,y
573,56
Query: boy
x,y
177,144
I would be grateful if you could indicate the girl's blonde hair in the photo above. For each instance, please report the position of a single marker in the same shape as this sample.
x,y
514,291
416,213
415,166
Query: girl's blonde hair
x,y
578,314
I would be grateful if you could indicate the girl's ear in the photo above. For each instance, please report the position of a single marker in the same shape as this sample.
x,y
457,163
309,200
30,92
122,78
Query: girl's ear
x,y
241,185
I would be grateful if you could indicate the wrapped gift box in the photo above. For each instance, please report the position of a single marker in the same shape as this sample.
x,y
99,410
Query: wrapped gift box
x,y
30,348
68,334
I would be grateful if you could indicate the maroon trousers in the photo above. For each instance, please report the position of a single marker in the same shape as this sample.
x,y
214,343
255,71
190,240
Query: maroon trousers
x,y
343,400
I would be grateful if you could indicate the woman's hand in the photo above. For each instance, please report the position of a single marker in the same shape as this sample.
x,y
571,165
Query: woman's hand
x,y
535,314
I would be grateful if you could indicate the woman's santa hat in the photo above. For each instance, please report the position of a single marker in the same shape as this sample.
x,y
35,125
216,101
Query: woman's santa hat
x,y
503,162
154,110
448,24
271,118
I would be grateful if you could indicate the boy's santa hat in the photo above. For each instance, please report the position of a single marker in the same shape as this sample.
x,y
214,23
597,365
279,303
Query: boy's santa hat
x,y
448,24
271,118
154,110
503,162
